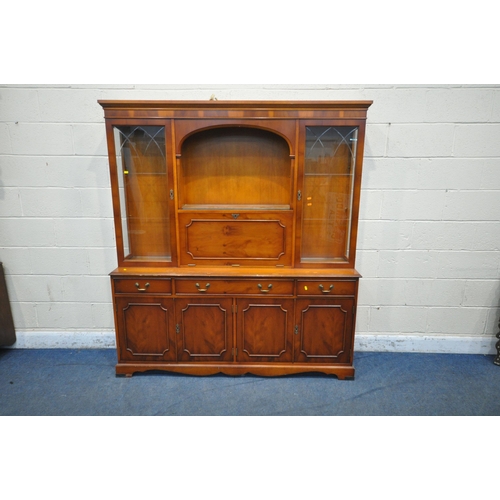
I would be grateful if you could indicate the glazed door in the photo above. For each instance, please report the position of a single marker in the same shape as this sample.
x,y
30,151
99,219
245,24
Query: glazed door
x,y
325,330
142,184
265,330
328,191
145,328
204,329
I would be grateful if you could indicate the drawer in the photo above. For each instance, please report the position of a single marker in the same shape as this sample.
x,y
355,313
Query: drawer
x,y
212,238
209,286
326,287
143,285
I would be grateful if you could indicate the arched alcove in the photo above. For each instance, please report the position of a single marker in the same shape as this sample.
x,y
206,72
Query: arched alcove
x,y
235,166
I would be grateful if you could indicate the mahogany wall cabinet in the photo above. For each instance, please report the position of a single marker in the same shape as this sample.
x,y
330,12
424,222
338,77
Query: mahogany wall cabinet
x,y
236,226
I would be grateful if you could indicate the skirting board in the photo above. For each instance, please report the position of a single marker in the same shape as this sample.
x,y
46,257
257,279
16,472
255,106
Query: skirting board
x,y
451,344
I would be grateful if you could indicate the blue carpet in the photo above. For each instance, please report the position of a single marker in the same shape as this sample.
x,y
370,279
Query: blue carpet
x,y
63,382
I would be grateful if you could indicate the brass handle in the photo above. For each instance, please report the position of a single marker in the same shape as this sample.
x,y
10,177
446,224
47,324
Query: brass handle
x,y
207,286
264,291
326,291
142,289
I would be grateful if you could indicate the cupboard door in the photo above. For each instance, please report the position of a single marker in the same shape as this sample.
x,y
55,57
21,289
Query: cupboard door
x,y
325,330
328,197
265,330
205,329
237,237
142,187
145,329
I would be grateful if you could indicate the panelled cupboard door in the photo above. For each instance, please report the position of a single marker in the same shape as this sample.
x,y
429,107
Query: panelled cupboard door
x,y
237,237
265,330
325,330
204,329
146,329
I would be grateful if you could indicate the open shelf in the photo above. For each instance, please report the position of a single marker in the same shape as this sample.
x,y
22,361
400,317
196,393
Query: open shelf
x,y
234,207
234,167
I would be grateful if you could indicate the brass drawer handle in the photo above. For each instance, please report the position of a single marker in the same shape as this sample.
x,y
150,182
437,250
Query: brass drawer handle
x,y
207,286
142,289
326,291
264,291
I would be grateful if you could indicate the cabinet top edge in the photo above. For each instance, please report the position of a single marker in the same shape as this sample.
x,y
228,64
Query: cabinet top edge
x,y
265,105
222,272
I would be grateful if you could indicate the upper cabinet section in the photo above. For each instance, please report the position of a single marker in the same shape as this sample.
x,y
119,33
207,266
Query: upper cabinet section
x,y
250,183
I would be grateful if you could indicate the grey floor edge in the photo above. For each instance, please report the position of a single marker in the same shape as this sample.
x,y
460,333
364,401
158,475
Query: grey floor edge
x,y
67,382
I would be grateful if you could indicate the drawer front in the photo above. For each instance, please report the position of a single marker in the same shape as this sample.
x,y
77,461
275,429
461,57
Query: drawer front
x,y
236,238
143,285
326,287
207,286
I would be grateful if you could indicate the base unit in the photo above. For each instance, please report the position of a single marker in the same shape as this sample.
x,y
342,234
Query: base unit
x,y
235,227
203,325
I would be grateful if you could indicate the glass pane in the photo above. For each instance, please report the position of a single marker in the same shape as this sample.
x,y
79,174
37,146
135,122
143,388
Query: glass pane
x,y
330,159
144,193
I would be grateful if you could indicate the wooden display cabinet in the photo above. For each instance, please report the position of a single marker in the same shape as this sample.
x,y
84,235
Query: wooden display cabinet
x,y
236,228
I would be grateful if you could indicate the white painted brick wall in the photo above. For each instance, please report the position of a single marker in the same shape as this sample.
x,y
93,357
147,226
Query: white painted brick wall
x,y
429,231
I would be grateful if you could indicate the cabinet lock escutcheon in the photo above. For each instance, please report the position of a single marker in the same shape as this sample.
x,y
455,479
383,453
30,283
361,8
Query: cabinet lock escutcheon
x,y
207,286
321,287
263,290
142,289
